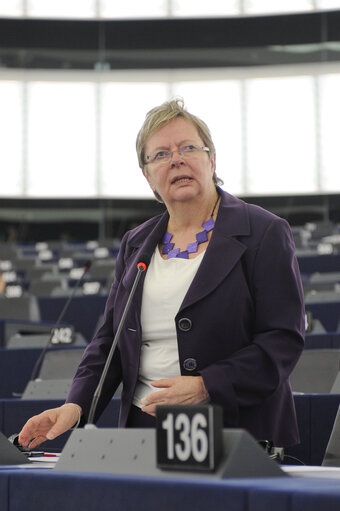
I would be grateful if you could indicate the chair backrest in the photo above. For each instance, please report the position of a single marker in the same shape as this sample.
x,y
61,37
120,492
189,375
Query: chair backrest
x,y
316,371
37,272
317,327
23,307
44,287
60,363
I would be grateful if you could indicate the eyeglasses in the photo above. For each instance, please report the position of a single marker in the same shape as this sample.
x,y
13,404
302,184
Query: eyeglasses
x,y
185,152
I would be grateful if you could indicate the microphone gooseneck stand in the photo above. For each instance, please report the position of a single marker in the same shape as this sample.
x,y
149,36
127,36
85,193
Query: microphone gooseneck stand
x,y
141,267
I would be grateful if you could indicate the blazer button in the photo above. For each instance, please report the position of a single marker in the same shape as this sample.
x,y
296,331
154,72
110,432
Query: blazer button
x,y
185,324
190,364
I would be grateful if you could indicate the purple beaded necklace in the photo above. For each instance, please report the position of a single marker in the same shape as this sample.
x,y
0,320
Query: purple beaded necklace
x,y
201,237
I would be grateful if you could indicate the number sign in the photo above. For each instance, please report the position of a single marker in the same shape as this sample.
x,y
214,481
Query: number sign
x,y
189,437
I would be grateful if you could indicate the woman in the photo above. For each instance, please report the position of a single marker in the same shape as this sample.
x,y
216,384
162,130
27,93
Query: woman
x,y
218,317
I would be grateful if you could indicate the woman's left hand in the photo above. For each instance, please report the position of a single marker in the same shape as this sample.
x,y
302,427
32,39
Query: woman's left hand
x,y
180,390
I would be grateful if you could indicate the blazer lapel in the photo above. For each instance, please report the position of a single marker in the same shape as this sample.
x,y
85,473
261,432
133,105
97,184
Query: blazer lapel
x,y
214,268
143,243
224,249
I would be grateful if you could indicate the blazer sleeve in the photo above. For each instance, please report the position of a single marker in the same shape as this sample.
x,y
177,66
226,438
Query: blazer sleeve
x,y
255,372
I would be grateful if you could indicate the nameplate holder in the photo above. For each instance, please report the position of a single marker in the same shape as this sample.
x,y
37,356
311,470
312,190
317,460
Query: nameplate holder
x,y
63,335
133,451
189,437
10,454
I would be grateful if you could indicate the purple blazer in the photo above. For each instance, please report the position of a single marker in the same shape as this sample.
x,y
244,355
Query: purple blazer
x,y
240,326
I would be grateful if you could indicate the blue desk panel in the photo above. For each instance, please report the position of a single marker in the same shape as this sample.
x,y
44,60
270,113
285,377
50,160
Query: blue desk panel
x,y
302,451
16,366
323,411
48,490
319,263
316,415
328,313
330,340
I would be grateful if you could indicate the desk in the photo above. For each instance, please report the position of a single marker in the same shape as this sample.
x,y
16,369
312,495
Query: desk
x,y
16,366
319,263
49,490
328,313
330,340
315,412
83,311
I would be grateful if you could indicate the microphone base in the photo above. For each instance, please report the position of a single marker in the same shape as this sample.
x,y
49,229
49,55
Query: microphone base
x,y
90,427
133,452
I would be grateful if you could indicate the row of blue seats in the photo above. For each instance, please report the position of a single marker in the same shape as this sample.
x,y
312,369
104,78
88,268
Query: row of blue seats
x,y
84,311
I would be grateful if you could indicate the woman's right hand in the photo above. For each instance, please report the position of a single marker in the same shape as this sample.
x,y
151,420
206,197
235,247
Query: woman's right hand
x,y
49,424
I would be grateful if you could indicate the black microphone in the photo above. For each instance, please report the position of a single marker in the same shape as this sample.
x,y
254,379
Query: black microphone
x,y
142,265
36,367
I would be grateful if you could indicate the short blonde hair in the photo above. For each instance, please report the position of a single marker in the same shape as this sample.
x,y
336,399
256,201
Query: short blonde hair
x,y
162,115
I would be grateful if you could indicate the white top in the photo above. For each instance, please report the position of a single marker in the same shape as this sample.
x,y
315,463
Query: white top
x,y
166,284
